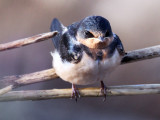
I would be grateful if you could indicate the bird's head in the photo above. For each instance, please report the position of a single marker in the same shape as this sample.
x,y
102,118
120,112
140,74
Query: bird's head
x,y
95,32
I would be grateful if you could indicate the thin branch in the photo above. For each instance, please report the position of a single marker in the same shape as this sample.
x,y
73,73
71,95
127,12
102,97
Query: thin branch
x,y
27,41
6,89
84,92
16,81
11,82
142,54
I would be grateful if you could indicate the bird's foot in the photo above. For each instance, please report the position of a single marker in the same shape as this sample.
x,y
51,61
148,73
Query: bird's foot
x,y
103,90
75,93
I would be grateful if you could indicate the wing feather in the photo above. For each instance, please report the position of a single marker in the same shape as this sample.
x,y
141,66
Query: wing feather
x,y
56,25
119,47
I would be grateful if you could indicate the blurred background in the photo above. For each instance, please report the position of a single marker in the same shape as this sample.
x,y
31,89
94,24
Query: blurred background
x,y
136,22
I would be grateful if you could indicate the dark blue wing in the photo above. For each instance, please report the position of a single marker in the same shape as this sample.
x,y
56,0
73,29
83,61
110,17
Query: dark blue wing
x,y
57,26
62,41
119,47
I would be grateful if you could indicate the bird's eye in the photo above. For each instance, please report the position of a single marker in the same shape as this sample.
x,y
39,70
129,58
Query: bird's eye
x,y
107,34
88,34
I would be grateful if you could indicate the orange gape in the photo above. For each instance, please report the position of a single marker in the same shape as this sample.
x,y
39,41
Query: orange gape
x,y
95,43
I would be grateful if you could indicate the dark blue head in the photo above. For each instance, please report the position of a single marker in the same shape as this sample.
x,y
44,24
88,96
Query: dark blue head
x,y
95,32
96,24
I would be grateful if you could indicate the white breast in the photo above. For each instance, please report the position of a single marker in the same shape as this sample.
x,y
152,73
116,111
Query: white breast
x,y
87,71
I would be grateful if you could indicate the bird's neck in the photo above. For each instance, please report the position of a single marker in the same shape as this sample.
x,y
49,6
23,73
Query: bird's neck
x,y
99,54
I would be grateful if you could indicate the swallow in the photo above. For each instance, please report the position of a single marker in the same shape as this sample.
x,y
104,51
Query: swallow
x,y
85,52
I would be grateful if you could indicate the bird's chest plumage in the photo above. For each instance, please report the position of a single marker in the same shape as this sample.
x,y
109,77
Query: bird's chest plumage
x,y
87,71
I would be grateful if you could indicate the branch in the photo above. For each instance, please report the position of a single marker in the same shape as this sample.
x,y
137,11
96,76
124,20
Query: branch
x,y
15,81
141,54
122,90
27,41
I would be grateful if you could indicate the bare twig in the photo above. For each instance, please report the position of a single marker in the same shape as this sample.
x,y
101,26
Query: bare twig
x,y
16,81
132,56
84,92
27,41
6,89
142,54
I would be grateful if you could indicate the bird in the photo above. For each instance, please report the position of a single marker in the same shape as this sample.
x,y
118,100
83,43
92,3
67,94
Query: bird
x,y
85,52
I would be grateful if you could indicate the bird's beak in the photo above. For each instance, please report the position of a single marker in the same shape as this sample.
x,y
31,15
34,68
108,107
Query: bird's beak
x,y
102,42
101,39
98,43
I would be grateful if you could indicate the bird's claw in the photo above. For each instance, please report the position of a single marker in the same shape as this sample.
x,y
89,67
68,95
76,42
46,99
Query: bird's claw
x,y
103,90
75,93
